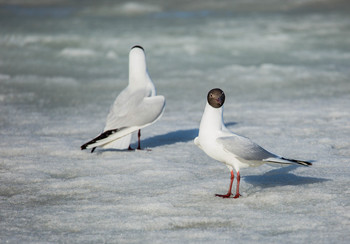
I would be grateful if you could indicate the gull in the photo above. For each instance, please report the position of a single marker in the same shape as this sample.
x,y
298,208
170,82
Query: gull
x,y
136,107
233,150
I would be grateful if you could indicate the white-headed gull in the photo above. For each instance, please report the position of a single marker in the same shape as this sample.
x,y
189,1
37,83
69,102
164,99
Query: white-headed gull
x,y
136,107
225,146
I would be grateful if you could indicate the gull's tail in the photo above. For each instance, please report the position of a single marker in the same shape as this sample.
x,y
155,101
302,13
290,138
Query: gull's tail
x,y
301,162
283,160
104,135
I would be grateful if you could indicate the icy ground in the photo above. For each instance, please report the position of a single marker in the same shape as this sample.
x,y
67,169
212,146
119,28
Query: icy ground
x,y
285,72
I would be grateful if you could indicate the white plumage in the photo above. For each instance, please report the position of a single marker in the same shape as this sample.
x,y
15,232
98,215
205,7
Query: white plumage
x,y
225,146
136,107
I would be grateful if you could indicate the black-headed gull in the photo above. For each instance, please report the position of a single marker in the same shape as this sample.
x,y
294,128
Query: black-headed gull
x,y
225,146
136,107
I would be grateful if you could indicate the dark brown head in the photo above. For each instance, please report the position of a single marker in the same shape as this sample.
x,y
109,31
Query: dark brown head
x,y
216,97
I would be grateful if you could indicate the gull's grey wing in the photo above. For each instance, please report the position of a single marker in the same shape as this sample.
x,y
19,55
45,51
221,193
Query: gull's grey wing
x,y
131,109
150,110
244,148
135,112
108,136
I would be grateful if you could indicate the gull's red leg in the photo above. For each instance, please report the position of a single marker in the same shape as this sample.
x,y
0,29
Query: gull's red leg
x,y
237,188
229,190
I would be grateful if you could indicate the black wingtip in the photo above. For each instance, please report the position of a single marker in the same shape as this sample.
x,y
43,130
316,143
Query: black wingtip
x,y
138,46
100,137
83,147
305,163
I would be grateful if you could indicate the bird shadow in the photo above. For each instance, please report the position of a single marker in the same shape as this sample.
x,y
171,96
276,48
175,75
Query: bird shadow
x,y
169,138
230,124
281,177
173,137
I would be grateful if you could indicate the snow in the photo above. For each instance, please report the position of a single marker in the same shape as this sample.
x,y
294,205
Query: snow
x,y
286,79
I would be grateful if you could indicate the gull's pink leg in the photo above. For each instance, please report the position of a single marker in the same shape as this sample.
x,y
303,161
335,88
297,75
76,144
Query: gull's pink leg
x,y
230,189
237,188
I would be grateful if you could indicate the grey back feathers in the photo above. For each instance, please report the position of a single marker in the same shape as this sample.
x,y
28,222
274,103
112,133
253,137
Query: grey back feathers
x,y
244,148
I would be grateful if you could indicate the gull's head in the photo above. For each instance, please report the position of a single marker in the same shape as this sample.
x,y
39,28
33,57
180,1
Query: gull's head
x,y
137,56
137,47
137,52
216,98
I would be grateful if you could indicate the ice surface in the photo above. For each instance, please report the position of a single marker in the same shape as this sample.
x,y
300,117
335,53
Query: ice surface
x,y
285,72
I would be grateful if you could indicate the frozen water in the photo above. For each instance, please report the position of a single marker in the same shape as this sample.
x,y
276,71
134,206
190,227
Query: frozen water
x,y
284,69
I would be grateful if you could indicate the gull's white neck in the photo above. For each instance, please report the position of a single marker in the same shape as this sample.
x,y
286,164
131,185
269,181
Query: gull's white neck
x,y
137,68
138,75
212,120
